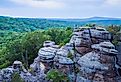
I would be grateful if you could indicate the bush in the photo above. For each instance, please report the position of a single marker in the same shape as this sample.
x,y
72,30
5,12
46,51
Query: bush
x,y
55,76
16,78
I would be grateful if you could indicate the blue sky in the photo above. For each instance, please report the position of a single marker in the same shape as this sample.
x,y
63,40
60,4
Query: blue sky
x,y
61,8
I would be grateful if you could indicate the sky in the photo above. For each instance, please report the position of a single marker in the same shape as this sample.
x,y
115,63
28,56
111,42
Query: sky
x,y
61,8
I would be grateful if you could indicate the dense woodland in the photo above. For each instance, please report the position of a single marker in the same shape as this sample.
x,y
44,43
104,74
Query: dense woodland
x,y
16,45
20,38
31,24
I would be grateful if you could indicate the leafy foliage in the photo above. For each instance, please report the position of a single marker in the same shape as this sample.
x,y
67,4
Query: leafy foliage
x,y
59,35
16,78
24,46
115,33
70,55
114,29
56,76
30,24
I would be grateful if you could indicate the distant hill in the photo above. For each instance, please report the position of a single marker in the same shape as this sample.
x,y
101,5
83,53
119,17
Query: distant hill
x,y
100,18
90,19
31,24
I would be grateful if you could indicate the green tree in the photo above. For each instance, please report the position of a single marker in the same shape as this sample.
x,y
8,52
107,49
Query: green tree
x,y
25,46
60,36
114,30
31,44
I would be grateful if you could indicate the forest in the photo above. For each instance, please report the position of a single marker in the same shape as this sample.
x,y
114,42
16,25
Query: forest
x,y
15,45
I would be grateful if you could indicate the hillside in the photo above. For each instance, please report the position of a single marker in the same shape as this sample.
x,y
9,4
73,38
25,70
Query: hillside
x,y
31,24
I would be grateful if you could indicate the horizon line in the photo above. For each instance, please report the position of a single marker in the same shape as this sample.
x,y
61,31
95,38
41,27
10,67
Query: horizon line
x,y
60,17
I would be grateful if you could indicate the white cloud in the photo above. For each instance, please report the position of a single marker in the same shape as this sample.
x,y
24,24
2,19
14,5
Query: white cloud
x,y
62,8
50,4
113,2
